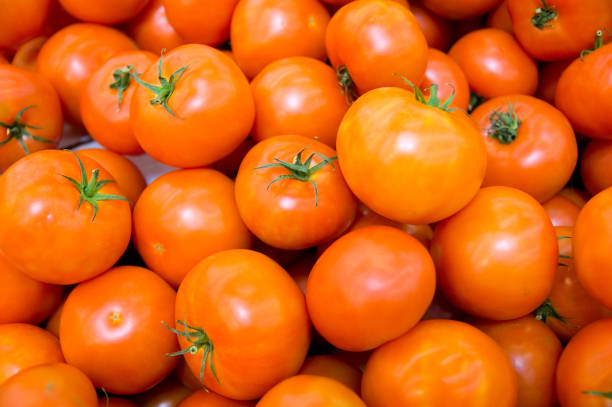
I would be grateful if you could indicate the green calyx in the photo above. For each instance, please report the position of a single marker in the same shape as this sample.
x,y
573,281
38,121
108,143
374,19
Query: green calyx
x,y
434,100
543,15
199,340
301,171
165,88
122,81
475,101
19,131
607,395
547,310
597,43
504,125
347,84
89,189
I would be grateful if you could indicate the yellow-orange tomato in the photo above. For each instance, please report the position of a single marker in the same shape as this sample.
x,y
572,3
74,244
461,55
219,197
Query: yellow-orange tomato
x,y
562,211
334,368
444,72
152,31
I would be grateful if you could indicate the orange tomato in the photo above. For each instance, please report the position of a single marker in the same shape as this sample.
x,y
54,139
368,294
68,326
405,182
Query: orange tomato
x,y
209,399
596,167
443,71
27,54
460,9
437,31
334,368
561,210
499,17
203,21
104,11
548,79
152,31
21,21
577,196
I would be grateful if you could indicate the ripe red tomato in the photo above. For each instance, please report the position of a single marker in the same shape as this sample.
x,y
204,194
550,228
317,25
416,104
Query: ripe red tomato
x,y
105,102
460,9
438,31
558,29
384,145
548,79
74,230
443,71
561,210
185,216
503,267
334,368
71,56
152,31
495,64
310,391
499,17
201,113
122,309
231,301
290,93
23,346
439,363
374,300
263,31
30,114
295,208
49,385
27,54
203,21
375,41
104,11
534,351
530,145
209,399
596,166
21,20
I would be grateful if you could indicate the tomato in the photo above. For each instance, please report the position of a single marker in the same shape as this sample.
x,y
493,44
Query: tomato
x,y
204,22
30,114
495,64
300,270
595,167
105,102
168,393
437,31
373,302
71,56
281,256
534,351
53,322
114,402
441,308
561,210
151,29
530,145
45,232
585,367
58,18
503,267
310,391
228,303
548,79
384,145
21,20
460,9
558,29
499,17
263,31
334,368
27,54
183,217
202,113
439,363
583,93
443,71
49,385
577,196
293,208
230,164
372,42
290,93
128,177
122,319
104,11
209,399
23,299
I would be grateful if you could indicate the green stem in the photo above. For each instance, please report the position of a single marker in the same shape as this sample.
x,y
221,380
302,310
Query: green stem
x,y
543,15
607,395
547,310
18,130
597,43
504,126
347,84
122,82
475,101
434,100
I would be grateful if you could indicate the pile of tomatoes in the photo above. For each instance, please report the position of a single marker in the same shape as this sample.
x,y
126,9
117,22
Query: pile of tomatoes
x,y
364,203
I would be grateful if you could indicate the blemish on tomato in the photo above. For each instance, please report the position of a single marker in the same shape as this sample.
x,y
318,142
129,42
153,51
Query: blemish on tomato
x,y
158,247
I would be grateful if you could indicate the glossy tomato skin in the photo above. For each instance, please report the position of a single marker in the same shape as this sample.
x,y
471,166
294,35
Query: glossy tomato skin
x,y
541,158
106,319
437,30
569,32
548,79
70,57
21,21
460,9
212,104
443,71
584,366
377,40
374,300
310,391
20,89
561,210
107,121
534,351
241,298
257,39
203,22
49,385
334,368
24,346
288,214
185,216
384,147
504,265
298,95
495,64
152,31
595,167
104,11
465,368
583,93
27,54
209,399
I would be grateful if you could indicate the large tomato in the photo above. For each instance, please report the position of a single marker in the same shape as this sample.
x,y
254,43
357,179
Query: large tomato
x,y
193,108
185,216
409,161
437,30
596,166
561,210
152,31
439,363
530,145
209,399
104,11
30,114
21,20
372,42
122,310
201,21
291,193
503,266
446,74
460,9
62,220
334,368
242,323
381,279
495,64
